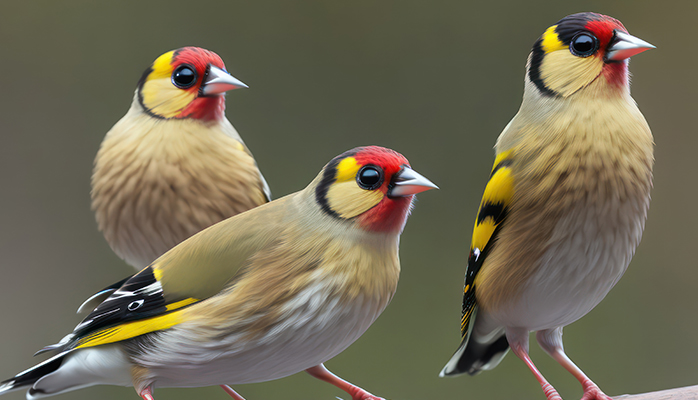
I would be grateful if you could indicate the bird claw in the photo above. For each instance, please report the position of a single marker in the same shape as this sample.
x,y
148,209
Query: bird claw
x,y
592,392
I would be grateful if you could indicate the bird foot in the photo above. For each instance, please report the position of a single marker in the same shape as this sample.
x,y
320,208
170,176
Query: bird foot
x,y
592,392
550,392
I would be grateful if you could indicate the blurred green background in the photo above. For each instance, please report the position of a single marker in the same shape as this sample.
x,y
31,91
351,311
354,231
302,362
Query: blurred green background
x,y
435,80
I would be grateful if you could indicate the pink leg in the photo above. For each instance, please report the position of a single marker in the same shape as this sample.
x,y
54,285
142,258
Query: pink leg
x,y
147,394
232,393
548,389
551,342
591,391
518,341
356,393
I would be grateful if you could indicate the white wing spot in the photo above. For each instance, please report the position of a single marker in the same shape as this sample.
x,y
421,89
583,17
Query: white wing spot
x,y
134,305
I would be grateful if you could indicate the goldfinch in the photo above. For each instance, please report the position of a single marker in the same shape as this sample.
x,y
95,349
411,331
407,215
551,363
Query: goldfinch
x,y
276,290
173,165
566,202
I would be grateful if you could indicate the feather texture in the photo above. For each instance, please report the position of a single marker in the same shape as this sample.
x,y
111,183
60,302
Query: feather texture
x,y
267,293
493,209
173,165
565,206
157,182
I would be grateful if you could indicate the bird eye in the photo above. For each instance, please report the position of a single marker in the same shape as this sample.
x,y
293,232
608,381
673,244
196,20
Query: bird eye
x,y
584,45
369,177
184,76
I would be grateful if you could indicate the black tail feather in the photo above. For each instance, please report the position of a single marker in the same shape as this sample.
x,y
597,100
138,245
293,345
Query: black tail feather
x,y
478,356
472,357
30,376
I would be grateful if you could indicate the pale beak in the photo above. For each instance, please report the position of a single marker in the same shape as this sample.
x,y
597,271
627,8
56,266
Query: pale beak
x,y
219,81
408,182
626,46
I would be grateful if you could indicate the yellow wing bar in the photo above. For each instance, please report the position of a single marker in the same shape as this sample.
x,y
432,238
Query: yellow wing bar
x,y
132,329
497,197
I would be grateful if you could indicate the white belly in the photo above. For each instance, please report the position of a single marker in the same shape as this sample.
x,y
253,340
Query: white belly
x,y
587,254
314,330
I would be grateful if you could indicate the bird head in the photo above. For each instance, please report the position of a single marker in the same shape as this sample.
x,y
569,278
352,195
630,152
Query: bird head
x,y
372,186
578,50
186,83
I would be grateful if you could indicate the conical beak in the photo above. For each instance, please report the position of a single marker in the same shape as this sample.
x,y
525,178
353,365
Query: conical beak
x,y
408,182
219,81
626,46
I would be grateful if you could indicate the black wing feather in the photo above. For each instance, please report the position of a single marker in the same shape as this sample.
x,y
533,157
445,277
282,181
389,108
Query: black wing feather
x,y
139,297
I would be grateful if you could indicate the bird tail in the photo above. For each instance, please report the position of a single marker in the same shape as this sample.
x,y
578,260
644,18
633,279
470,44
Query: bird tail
x,y
71,370
29,377
477,353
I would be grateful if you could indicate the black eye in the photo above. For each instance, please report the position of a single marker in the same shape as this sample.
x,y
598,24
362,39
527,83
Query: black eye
x,y
184,76
369,177
584,45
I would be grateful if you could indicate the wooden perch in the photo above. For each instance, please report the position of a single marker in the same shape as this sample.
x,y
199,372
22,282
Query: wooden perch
x,y
685,393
